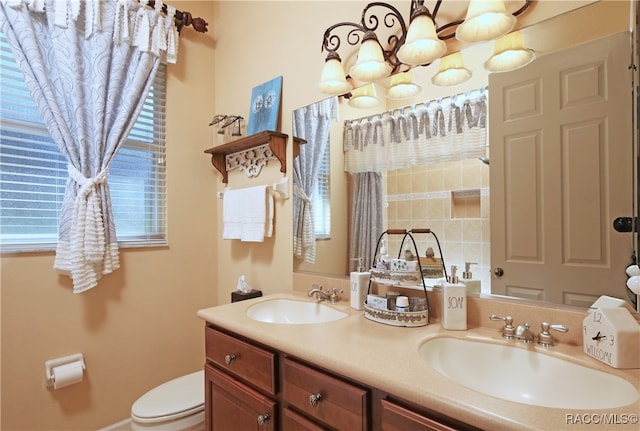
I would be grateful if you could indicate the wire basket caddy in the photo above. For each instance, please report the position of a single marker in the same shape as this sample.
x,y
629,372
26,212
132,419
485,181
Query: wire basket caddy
x,y
399,279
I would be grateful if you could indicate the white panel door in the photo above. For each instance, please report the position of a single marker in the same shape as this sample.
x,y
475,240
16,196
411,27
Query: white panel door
x,y
561,154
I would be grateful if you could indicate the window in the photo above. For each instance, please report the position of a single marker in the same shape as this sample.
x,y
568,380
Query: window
x,y
322,198
33,173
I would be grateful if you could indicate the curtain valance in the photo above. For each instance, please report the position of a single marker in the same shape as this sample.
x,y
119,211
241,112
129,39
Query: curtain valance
x,y
150,30
448,129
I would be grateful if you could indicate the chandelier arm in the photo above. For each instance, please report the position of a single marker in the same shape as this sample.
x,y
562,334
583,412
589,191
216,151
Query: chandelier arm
x,y
435,9
331,42
370,21
389,18
389,55
524,7
446,26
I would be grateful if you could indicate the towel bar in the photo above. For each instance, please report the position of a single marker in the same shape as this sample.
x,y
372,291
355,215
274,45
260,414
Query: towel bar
x,y
279,190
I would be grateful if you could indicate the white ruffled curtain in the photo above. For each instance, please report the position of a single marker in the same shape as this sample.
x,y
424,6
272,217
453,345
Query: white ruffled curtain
x,y
449,129
312,123
89,66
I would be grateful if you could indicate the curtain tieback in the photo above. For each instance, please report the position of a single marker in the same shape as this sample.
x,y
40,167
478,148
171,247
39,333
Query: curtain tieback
x,y
87,235
86,184
301,194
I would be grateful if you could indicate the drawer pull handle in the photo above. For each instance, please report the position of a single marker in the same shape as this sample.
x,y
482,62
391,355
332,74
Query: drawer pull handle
x,y
314,399
229,358
263,419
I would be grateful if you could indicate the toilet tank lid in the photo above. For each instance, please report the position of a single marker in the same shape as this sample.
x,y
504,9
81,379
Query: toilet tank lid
x,y
178,395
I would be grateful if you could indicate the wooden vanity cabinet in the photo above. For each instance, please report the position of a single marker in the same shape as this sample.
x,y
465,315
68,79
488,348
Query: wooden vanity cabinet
x,y
252,387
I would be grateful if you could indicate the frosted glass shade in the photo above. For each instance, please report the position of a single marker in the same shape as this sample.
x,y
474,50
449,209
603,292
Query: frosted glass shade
x,y
485,20
364,97
333,80
451,71
403,85
509,53
422,45
371,65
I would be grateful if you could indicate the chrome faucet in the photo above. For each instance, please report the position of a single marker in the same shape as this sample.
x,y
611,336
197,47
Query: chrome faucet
x,y
523,333
323,295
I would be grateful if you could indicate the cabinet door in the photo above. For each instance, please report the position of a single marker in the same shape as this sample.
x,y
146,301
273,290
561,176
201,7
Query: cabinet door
x,y
231,405
397,418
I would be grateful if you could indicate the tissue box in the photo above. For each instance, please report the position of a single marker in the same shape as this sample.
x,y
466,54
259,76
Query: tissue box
x,y
241,296
377,301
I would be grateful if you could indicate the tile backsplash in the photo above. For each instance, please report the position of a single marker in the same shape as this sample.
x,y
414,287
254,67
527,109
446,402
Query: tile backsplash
x,y
451,199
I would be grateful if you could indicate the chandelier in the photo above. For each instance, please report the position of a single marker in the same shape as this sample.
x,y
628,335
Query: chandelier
x,y
419,44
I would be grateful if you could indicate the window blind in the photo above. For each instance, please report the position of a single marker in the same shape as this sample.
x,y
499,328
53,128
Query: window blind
x,y
322,198
33,172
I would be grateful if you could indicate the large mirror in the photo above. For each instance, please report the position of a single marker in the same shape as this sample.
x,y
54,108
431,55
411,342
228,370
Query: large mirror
x,y
483,186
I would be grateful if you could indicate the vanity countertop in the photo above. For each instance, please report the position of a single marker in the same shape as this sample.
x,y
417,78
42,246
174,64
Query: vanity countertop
x,y
387,357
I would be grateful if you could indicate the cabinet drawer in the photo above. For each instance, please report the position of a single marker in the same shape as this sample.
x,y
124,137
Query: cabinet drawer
x,y
244,360
398,418
293,421
325,398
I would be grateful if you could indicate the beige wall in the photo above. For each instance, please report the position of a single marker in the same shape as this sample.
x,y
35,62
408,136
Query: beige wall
x,y
258,41
138,328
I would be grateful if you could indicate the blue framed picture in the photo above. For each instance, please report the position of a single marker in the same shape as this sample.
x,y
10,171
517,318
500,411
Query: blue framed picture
x,y
265,106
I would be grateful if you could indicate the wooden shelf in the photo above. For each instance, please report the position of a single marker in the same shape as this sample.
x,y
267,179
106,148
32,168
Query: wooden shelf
x,y
277,144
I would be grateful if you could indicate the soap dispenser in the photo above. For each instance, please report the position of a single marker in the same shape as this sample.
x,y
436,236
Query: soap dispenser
x,y
454,305
359,280
473,284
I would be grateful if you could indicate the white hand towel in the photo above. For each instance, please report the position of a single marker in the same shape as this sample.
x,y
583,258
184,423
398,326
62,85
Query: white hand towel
x,y
247,214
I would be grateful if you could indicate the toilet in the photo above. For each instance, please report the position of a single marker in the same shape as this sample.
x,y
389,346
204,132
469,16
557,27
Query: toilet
x,y
177,405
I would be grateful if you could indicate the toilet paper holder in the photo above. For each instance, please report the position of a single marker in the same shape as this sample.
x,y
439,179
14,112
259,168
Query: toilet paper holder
x,y
52,363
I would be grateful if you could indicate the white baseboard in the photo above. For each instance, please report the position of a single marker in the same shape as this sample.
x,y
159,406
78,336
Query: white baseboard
x,y
118,426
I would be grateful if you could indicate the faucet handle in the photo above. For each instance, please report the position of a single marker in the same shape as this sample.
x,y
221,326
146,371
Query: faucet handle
x,y
545,338
335,295
508,331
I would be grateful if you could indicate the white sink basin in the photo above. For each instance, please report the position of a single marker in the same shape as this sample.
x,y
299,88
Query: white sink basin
x,y
293,312
526,376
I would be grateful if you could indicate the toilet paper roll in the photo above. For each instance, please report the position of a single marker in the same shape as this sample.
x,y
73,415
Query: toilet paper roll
x,y
67,374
